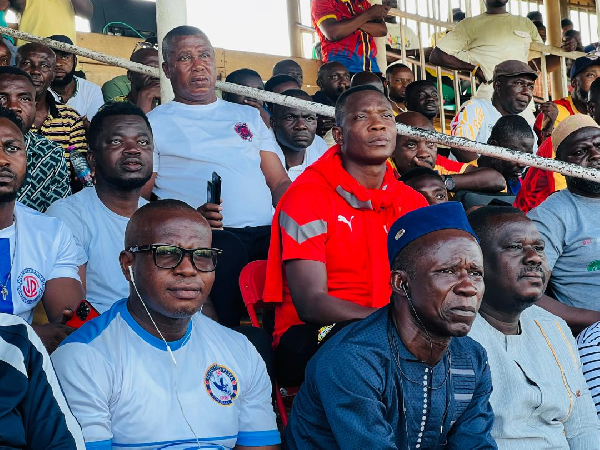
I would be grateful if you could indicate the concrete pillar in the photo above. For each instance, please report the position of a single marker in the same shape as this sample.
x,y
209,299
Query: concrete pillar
x,y
564,9
554,31
293,10
598,15
169,14
380,43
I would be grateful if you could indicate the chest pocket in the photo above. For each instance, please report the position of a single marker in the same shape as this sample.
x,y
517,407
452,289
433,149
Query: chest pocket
x,y
463,387
524,39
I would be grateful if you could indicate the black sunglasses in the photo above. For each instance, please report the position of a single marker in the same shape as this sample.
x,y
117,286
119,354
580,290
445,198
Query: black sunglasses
x,y
170,256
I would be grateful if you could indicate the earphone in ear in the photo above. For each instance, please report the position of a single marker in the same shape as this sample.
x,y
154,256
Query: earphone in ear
x,y
130,272
404,287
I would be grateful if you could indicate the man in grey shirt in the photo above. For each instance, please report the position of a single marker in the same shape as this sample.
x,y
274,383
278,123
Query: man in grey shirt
x,y
568,221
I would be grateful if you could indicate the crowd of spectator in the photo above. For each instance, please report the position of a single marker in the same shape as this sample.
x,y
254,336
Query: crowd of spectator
x,y
414,296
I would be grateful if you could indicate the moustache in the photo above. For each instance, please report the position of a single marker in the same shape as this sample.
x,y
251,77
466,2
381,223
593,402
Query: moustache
x,y
533,270
7,171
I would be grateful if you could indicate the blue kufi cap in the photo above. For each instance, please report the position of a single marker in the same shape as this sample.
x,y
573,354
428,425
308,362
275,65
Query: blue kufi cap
x,y
422,221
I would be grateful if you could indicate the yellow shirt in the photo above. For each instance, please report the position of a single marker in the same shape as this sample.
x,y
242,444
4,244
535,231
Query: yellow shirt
x,y
489,39
47,17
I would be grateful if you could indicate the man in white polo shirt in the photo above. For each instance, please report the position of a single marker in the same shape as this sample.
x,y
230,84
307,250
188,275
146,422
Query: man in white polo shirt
x,y
198,134
153,372
37,252
295,131
120,155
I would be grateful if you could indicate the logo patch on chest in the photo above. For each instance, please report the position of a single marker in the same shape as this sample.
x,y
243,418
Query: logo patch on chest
x,y
241,128
594,266
221,384
31,285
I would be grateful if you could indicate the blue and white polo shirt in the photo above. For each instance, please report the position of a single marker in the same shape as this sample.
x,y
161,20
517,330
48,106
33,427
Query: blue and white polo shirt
x,y
45,250
123,387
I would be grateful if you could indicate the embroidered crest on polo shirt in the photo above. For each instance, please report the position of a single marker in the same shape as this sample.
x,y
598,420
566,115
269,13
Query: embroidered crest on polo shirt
x,y
31,285
221,384
244,132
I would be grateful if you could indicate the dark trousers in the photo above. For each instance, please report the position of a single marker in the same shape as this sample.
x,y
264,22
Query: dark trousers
x,y
240,246
295,349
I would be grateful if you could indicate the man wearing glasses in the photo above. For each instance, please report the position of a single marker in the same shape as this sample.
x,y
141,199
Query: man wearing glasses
x,y
152,371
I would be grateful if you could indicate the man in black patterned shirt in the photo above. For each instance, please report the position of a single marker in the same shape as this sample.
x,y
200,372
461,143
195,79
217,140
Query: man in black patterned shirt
x,y
47,172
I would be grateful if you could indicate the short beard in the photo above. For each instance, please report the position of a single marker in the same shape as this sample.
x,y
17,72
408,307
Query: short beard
x,y
9,196
123,184
430,116
65,81
587,186
581,95
127,184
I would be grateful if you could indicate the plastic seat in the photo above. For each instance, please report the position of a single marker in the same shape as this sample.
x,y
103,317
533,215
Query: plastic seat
x,y
252,284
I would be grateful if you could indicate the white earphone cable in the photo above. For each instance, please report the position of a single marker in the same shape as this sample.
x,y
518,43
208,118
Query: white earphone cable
x,y
170,353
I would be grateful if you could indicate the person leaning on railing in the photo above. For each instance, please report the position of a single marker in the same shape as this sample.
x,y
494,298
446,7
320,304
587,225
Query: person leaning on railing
x,y
480,43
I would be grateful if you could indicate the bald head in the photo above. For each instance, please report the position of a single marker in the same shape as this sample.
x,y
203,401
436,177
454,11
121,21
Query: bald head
x,y
159,221
414,119
362,78
171,281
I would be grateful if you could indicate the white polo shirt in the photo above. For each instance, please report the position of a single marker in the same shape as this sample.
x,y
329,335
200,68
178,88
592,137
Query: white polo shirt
x,y
125,390
45,250
99,235
192,141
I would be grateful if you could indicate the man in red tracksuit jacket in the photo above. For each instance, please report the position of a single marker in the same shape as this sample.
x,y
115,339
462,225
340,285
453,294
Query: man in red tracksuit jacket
x,y
328,261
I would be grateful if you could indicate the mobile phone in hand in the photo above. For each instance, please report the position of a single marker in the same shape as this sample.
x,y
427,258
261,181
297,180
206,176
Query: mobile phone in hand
x,y
84,313
214,189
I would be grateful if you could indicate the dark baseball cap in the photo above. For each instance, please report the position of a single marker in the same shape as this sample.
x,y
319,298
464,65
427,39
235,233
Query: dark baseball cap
x,y
585,61
61,38
512,68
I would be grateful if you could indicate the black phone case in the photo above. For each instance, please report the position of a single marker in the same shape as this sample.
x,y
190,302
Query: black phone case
x,y
216,188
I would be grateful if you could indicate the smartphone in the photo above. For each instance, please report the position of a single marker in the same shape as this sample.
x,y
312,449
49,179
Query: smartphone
x,y
213,189
84,313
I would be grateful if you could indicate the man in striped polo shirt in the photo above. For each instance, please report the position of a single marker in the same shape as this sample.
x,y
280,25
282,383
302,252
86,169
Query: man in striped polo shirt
x,y
589,351
57,122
